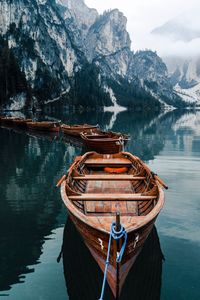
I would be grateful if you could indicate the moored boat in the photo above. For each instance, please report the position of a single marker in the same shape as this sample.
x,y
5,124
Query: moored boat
x,y
104,142
97,188
75,130
8,120
44,126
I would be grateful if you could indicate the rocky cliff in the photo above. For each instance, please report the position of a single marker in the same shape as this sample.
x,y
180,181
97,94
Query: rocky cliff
x,y
68,51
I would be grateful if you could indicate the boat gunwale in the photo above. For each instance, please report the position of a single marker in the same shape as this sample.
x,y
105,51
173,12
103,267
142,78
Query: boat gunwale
x,y
96,138
78,127
43,124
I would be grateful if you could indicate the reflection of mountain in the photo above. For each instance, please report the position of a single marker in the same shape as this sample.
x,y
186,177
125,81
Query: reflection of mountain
x,y
84,278
29,203
147,131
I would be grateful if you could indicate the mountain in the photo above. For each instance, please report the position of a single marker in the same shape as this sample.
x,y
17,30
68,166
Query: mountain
x,y
184,67
69,53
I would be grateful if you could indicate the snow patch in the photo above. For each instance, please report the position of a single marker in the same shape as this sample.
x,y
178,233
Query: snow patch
x,y
165,105
115,108
191,95
17,102
57,98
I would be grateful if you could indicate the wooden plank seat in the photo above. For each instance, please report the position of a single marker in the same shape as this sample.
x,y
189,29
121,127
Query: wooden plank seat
x,y
109,177
107,162
111,197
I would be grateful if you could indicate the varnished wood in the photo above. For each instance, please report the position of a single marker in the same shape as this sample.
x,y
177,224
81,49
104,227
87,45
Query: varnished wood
x,y
111,197
109,177
108,162
44,126
75,130
92,197
21,122
105,142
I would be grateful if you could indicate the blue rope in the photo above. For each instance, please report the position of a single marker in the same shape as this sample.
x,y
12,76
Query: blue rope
x,y
116,235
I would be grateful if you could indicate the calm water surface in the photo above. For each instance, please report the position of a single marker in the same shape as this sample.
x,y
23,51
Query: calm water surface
x,y
32,217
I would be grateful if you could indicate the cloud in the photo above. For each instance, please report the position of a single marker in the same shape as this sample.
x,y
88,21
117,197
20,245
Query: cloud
x,y
167,47
144,15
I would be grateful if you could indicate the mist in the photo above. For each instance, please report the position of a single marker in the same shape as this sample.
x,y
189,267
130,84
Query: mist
x,y
143,16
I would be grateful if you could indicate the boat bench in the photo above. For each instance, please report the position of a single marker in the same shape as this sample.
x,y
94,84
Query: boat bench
x,y
107,162
109,177
111,197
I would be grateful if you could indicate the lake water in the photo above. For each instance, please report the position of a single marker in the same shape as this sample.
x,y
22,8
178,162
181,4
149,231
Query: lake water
x,y
32,216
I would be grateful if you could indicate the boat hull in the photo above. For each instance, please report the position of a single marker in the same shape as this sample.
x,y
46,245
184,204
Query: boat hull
x,y
97,243
95,199
143,281
41,127
8,120
21,122
105,147
76,131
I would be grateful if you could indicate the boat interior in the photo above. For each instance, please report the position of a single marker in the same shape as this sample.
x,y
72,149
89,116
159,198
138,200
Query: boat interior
x,y
104,184
94,134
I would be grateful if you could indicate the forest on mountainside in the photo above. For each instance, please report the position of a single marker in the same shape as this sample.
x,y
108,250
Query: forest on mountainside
x,y
12,79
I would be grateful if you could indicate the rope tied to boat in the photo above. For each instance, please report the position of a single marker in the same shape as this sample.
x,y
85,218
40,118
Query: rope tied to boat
x,y
116,235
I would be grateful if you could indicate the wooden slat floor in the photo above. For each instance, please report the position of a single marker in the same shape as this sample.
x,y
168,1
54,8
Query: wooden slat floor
x,y
112,187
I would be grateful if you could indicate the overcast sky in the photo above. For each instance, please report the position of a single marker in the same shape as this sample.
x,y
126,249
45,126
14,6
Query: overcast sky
x,y
145,15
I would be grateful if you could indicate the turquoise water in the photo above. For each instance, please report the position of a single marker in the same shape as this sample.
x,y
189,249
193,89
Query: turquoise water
x,y
32,217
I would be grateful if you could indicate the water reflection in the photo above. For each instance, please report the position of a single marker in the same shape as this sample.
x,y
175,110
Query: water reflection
x,y
84,278
31,164
29,203
148,131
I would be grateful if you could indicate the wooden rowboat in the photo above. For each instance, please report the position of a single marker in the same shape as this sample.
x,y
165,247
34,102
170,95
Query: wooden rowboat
x,y
75,130
105,142
8,120
99,186
44,126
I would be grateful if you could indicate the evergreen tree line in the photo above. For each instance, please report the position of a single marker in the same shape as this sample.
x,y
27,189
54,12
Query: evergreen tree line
x,y
12,80
88,91
132,96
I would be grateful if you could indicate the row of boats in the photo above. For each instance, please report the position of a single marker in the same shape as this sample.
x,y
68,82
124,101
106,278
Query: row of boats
x,y
112,197
91,135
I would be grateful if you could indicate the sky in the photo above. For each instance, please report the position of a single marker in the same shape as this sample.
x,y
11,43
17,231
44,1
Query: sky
x,y
145,15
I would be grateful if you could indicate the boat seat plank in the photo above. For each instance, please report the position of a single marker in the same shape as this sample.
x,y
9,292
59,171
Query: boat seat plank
x,y
111,197
107,161
109,177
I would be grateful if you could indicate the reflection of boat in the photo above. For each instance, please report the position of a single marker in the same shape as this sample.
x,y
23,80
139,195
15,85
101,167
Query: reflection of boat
x,y
93,196
44,126
72,140
77,129
83,277
51,136
104,142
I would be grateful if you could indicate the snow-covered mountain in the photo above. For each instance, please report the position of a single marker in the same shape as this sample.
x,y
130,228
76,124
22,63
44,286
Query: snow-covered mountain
x,y
67,50
184,67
